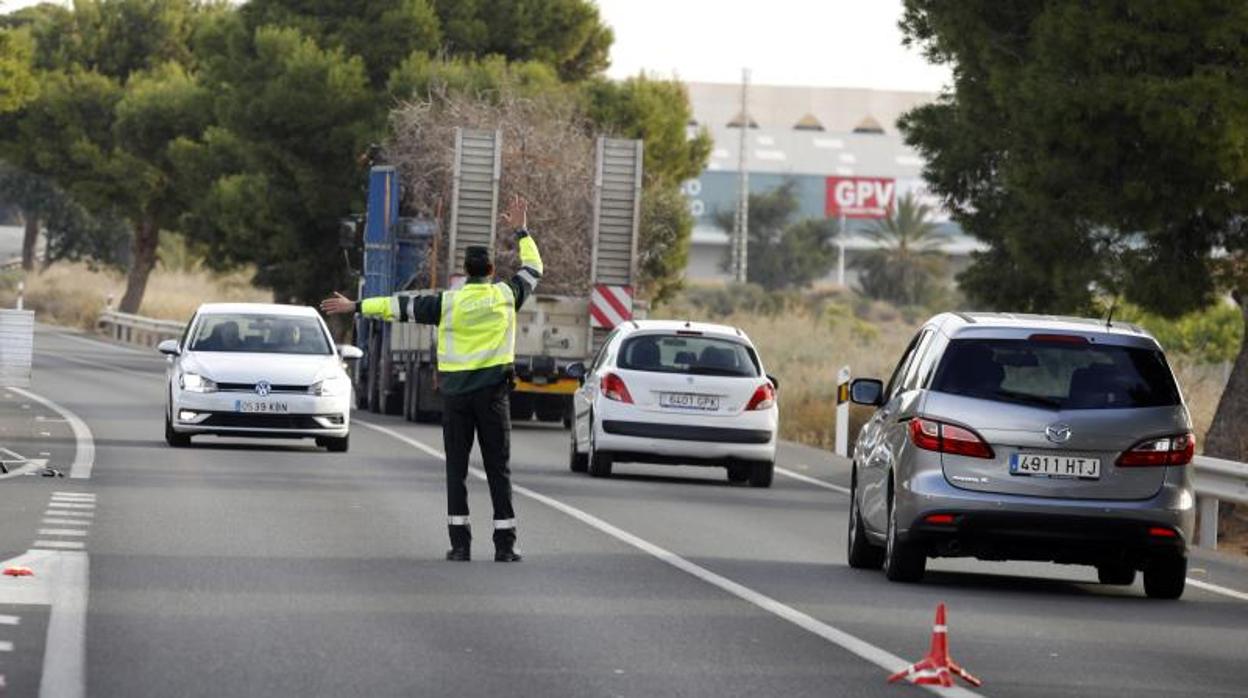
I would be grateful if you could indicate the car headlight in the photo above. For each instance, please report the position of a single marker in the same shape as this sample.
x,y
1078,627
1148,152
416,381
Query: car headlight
x,y
195,383
331,387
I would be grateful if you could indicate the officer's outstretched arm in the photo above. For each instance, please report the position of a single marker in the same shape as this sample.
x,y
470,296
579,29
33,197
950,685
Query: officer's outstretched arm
x,y
404,308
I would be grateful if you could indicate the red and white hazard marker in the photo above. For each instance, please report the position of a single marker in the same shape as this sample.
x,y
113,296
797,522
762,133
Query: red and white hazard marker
x,y
610,305
937,668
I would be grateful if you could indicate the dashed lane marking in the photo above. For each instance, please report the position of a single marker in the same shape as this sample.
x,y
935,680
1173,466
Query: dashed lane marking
x,y
66,522
84,452
60,544
70,532
71,505
10,620
876,655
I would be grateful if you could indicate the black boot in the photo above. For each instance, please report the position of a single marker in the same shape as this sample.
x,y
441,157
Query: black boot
x,y
505,546
461,543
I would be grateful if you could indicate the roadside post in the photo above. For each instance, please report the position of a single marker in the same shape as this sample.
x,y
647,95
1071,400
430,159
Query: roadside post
x,y
842,412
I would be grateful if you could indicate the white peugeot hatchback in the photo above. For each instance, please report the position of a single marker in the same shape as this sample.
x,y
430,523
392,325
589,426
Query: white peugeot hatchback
x,y
258,370
681,393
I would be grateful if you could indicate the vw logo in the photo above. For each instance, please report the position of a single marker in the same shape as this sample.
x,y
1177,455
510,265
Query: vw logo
x,y
263,388
1057,433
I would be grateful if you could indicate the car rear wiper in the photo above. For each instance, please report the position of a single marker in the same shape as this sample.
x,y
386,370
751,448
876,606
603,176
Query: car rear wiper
x,y
1033,399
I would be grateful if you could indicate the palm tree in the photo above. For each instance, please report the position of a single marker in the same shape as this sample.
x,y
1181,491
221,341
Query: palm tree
x,y
907,258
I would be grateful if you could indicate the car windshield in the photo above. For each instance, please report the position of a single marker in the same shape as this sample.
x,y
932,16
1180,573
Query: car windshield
x,y
691,354
261,334
1056,375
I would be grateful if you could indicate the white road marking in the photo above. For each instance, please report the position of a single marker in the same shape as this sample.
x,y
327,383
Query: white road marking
x,y
25,467
60,544
71,505
74,496
6,646
66,522
61,532
10,620
1218,589
876,655
84,514
84,455
811,480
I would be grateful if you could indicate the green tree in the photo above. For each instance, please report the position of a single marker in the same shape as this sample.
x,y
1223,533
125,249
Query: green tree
x,y
784,252
1095,145
17,82
906,262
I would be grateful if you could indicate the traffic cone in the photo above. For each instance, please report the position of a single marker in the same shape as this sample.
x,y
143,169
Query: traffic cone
x,y
18,571
937,668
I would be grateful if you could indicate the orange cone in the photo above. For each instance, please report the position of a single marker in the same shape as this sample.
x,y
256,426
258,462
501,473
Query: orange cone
x,y
18,571
937,668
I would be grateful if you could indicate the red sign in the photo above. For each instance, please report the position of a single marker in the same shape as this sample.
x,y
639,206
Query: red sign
x,y
860,197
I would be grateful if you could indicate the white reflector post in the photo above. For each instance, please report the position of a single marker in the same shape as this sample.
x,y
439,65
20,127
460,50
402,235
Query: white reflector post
x,y
842,412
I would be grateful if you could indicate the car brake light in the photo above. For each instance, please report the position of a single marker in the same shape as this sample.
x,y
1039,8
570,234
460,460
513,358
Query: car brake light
x,y
930,435
939,519
764,398
1159,532
1168,450
613,387
1059,338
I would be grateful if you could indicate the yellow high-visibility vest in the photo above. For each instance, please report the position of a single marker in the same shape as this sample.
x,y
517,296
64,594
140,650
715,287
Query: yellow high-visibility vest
x,y
477,328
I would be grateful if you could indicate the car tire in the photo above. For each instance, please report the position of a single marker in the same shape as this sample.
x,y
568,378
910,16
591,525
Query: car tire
x,y
1116,573
738,473
860,553
903,562
599,463
1165,578
761,474
577,462
335,444
173,438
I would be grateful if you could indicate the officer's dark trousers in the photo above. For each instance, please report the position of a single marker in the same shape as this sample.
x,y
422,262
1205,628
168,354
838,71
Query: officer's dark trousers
x,y
485,414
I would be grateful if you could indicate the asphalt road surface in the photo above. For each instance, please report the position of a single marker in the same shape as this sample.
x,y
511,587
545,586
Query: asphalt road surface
x,y
270,568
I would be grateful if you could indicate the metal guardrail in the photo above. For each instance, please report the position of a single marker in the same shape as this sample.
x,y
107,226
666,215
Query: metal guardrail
x,y
1217,480
136,329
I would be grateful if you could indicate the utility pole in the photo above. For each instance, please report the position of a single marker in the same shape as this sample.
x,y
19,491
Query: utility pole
x,y
741,222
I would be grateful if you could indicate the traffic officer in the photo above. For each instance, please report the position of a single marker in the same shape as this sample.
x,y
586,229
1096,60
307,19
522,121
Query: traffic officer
x,y
476,351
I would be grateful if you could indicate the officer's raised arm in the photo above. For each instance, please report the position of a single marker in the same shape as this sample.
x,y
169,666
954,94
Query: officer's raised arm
x,y
405,308
525,280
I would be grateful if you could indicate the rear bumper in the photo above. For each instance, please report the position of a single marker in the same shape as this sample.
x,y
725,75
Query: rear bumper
x,y
676,444
682,432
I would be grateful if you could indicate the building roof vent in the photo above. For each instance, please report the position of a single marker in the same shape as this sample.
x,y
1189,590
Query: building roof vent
x,y
869,125
739,120
808,123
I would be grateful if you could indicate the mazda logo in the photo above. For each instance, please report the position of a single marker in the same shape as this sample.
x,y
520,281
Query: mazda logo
x,y
1057,433
263,388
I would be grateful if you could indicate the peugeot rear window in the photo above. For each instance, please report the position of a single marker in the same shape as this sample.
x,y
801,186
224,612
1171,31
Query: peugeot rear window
x,y
263,334
1056,374
691,354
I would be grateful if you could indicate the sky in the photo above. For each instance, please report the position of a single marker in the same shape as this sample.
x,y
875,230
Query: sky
x,y
829,43
832,43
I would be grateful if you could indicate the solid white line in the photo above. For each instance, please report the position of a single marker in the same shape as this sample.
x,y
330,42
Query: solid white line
x,y
61,532
876,655
84,456
1218,589
812,481
66,522
71,505
10,620
60,544
65,656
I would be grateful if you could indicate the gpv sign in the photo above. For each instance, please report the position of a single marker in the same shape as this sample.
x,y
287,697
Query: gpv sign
x,y
860,197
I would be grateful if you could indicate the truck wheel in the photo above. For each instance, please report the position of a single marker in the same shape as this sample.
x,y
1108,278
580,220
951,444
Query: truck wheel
x,y
550,408
521,407
1165,578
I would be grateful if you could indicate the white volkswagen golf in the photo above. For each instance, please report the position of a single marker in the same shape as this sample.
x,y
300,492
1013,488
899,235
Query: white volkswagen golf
x,y
258,370
682,393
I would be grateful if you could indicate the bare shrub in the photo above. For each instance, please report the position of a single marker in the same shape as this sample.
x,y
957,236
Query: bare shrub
x,y
548,158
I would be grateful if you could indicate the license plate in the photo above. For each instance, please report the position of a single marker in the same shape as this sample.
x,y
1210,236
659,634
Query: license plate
x,y
261,407
689,401
1048,465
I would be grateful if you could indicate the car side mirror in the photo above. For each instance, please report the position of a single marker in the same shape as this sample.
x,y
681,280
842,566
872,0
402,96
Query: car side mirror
x,y
775,383
349,352
867,391
577,371
169,347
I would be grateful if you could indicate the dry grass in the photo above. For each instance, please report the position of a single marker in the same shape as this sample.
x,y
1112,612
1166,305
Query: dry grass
x,y
74,295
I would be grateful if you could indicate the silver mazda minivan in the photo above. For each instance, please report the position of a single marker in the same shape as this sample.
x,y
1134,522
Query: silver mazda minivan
x,y
1025,437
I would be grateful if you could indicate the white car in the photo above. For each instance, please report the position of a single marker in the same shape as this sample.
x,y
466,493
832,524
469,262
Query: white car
x,y
681,393
258,370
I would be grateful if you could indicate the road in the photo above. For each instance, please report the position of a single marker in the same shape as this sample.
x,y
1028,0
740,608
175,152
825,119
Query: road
x,y
272,568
